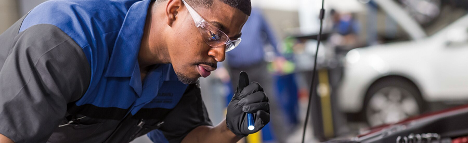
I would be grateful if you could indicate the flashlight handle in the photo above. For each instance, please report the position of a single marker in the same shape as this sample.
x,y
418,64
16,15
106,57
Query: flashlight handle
x,y
250,121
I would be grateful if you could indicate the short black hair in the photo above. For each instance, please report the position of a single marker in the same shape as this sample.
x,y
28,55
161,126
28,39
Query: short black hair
x,y
242,5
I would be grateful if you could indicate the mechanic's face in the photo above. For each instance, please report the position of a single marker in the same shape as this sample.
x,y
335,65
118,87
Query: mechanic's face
x,y
189,46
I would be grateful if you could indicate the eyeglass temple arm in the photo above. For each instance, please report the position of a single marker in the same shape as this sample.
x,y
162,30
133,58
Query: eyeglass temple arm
x,y
195,16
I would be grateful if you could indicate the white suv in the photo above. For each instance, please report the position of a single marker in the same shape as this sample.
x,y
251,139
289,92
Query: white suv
x,y
389,82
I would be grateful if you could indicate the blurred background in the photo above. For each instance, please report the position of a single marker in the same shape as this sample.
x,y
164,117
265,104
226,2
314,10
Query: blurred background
x,y
379,62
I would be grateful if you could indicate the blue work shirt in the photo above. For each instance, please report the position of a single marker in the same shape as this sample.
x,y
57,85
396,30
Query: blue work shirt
x,y
69,72
110,32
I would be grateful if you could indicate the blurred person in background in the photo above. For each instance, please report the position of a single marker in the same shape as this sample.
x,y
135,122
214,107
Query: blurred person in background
x,y
249,56
344,32
110,71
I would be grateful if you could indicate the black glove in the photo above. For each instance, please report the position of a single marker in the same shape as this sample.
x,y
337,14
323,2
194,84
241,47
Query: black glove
x,y
249,98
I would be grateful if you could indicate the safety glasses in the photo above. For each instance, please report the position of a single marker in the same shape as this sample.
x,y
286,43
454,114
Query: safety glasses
x,y
210,33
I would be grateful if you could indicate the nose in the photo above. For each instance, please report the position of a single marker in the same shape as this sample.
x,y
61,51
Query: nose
x,y
218,53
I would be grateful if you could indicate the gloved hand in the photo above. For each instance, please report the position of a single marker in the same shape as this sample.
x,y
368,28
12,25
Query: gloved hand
x,y
249,98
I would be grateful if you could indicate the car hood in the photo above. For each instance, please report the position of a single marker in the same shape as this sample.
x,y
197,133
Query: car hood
x,y
390,57
397,50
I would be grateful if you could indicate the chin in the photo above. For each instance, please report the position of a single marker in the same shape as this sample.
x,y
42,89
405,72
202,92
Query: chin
x,y
184,78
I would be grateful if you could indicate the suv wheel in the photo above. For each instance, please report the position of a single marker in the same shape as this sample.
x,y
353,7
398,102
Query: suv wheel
x,y
390,101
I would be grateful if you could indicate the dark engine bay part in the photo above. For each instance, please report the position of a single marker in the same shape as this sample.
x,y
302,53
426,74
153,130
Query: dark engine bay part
x,y
430,138
449,126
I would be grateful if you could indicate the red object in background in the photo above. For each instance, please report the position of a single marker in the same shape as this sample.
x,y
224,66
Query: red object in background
x,y
303,94
460,140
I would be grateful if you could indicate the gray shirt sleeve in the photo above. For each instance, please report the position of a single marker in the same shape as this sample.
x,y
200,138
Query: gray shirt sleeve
x,y
41,70
189,113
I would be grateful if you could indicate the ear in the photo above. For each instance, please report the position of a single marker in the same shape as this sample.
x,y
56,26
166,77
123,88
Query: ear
x,y
172,9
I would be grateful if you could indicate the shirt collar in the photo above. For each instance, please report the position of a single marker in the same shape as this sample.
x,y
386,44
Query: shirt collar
x,y
154,78
171,75
127,44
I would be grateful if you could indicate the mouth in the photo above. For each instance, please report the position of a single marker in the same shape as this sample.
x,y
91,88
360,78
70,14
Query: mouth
x,y
205,70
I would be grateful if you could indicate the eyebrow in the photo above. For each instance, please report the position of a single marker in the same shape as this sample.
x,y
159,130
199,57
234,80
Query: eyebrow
x,y
237,36
219,25
223,28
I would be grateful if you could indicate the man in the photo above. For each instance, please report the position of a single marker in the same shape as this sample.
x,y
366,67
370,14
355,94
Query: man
x,y
345,30
110,71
